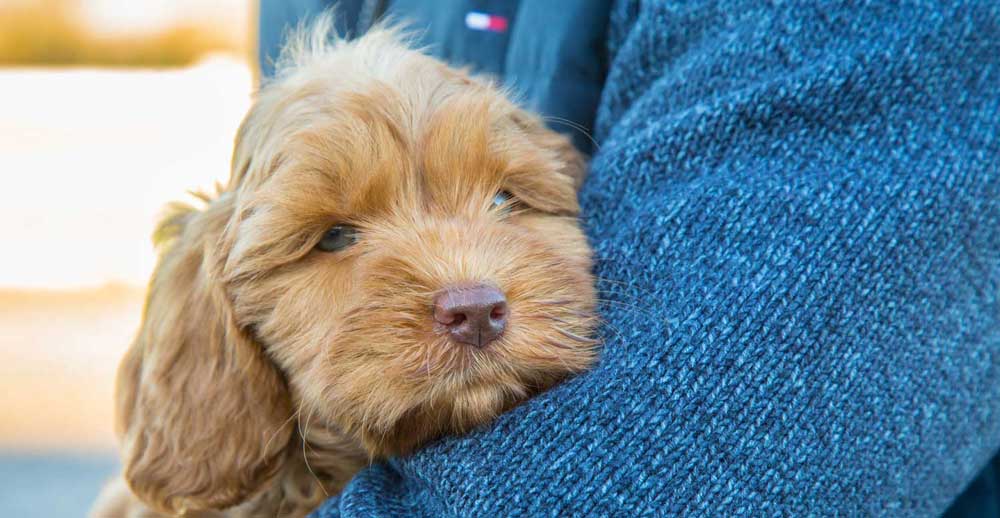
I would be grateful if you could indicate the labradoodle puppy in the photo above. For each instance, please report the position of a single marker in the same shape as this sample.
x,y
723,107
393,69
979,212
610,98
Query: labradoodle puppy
x,y
395,257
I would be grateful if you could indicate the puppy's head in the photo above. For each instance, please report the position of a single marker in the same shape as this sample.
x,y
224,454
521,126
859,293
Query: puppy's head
x,y
397,254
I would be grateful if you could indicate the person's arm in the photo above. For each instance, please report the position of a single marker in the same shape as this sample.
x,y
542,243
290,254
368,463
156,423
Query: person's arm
x,y
796,213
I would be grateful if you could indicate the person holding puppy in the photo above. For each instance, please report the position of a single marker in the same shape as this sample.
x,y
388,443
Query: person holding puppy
x,y
795,215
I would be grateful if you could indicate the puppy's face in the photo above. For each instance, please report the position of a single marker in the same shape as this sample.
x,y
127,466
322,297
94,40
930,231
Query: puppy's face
x,y
408,252
396,256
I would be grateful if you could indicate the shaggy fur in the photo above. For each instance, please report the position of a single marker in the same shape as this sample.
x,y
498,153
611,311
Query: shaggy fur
x,y
267,372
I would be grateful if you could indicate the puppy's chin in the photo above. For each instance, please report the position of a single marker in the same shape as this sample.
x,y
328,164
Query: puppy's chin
x,y
392,409
435,386
451,405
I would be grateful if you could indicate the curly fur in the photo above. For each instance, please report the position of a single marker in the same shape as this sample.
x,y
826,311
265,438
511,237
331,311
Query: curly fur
x,y
266,373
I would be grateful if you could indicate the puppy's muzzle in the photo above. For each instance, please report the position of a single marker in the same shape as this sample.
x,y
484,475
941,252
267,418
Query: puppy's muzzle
x,y
473,315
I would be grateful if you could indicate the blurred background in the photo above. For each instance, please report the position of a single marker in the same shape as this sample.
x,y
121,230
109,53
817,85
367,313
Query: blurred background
x,y
108,110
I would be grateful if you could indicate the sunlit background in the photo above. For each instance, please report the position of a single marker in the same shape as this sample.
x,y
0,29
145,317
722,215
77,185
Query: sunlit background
x,y
108,110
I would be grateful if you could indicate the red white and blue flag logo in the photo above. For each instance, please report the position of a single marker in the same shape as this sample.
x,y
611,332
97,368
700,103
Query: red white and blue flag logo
x,y
485,22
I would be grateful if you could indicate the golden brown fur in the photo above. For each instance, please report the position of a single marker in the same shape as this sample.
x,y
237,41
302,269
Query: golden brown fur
x,y
266,373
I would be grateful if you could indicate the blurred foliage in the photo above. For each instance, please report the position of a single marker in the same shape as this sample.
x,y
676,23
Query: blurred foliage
x,y
50,33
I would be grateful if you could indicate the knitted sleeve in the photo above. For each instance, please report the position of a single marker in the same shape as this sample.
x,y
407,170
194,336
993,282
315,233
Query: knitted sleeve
x,y
796,213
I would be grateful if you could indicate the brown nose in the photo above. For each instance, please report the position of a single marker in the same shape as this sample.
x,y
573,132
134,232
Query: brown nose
x,y
473,315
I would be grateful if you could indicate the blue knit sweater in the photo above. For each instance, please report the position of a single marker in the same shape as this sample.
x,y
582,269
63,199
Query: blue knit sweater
x,y
796,214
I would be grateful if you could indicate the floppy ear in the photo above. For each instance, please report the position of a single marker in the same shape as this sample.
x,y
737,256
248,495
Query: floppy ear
x,y
561,146
202,413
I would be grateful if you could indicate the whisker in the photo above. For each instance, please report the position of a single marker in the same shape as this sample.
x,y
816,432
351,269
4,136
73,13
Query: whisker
x,y
633,307
267,444
305,456
629,286
427,362
582,340
560,357
574,125
557,302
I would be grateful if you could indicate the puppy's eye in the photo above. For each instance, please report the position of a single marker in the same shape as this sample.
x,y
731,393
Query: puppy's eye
x,y
337,238
503,200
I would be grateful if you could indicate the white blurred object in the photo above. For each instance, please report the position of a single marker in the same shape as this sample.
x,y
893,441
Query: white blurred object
x,y
89,157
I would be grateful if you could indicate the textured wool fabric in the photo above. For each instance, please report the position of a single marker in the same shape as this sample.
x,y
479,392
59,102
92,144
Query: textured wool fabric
x,y
796,218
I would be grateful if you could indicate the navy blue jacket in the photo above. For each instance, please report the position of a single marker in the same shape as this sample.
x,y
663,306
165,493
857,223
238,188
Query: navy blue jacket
x,y
796,212
552,54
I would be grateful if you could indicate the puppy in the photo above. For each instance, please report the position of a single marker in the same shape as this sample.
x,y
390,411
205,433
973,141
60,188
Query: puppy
x,y
396,257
